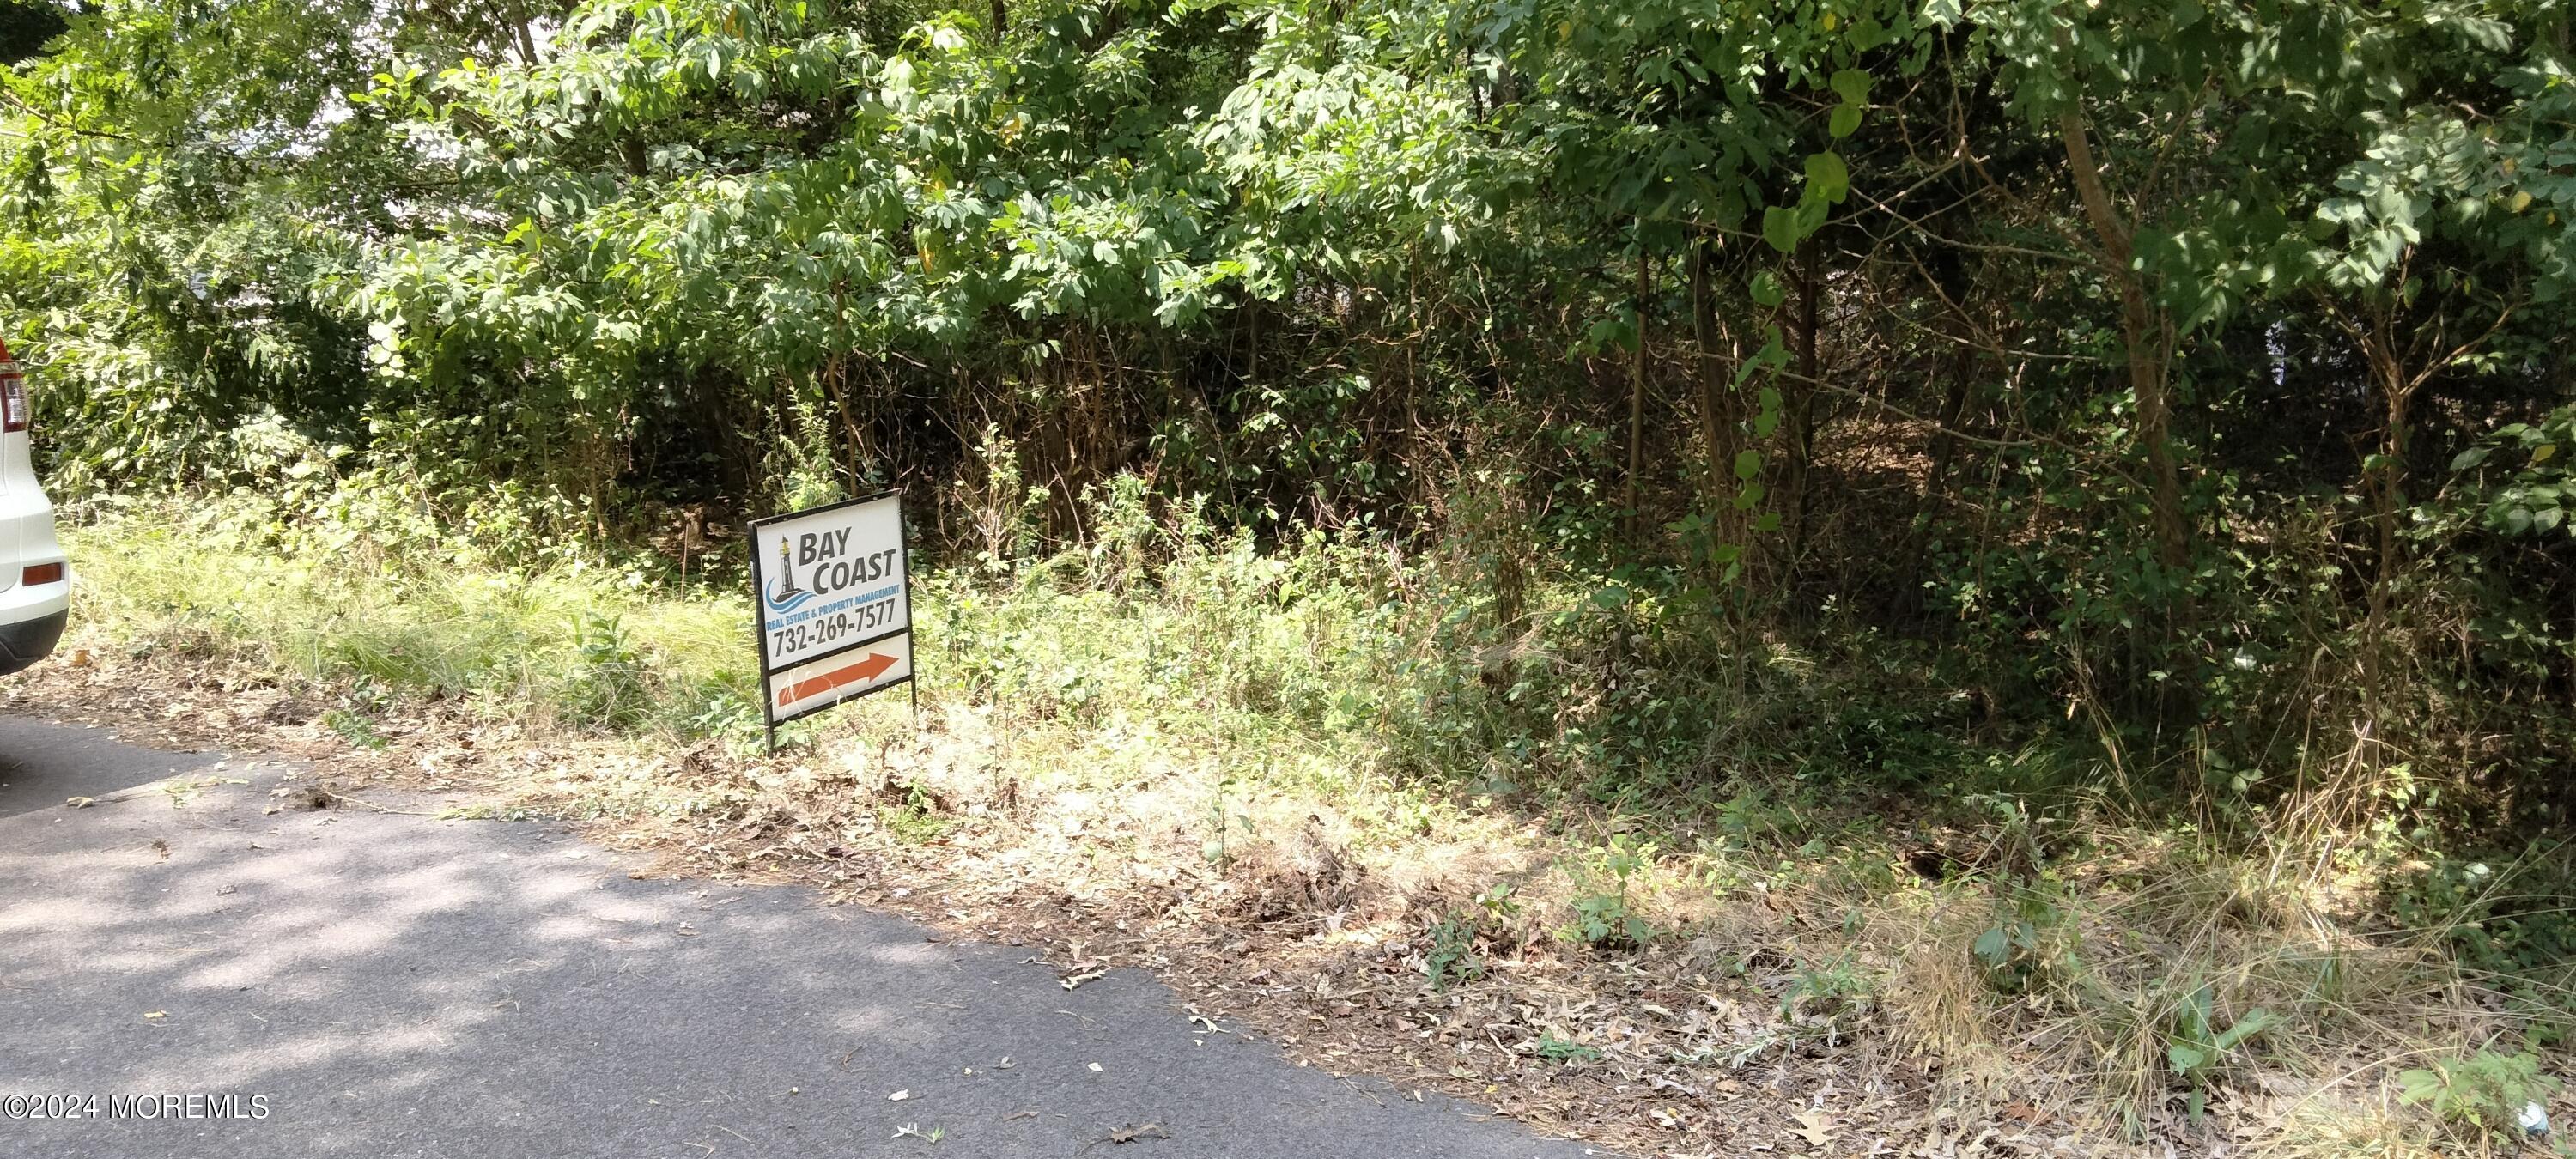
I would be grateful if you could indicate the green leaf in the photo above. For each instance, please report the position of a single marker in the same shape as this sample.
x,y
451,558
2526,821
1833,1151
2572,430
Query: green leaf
x,y
1780,228
1852,85
1766,288
1843,121
1766,416
1748,464
1811,212
2256,1021
2491,35
1829,176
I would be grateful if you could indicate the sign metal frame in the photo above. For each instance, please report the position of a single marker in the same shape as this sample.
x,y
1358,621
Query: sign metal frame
x,y
770,720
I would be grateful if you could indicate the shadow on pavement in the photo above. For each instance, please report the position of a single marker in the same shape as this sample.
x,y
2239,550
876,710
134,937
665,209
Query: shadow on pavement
x,y
396,985
44,765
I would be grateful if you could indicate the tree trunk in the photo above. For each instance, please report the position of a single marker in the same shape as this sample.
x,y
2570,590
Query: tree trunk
x,y
1957,287
2145,334
2387,479
1637,394
1797,415
1954,410
1717,415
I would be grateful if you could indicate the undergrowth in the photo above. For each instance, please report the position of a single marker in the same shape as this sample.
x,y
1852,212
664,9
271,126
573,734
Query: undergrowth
x,y
1585,774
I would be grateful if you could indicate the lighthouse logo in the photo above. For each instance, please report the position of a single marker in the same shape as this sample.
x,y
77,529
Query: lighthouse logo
x,y
787,597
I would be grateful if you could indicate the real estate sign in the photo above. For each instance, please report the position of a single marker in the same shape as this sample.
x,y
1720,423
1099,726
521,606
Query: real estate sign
x,y
834,591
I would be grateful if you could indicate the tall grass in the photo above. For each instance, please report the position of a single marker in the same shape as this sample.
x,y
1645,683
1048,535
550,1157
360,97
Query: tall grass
x,y
572,645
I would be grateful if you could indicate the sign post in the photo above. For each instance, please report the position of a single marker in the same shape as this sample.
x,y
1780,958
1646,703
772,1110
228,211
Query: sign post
x,y
833,587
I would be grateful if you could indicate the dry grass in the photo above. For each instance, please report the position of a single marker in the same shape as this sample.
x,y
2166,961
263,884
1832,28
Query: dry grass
x,y
1749,1006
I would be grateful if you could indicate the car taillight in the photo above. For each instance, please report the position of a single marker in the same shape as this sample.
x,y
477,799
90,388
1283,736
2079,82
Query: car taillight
x,y
13,393
43,573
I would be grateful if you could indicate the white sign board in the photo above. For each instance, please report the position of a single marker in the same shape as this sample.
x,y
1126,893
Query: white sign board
x,y
835,604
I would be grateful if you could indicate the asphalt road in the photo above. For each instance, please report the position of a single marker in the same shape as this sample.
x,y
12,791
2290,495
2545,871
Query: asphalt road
x,y
372,984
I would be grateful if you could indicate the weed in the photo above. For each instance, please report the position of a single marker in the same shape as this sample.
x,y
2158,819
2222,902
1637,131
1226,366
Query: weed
x,y
1555,1049
2008,953
606,686
729,718
2198,1050
1220,824
367,696
2011,953
1829,997
2484,1092
1604,919
914,822
2509,919
353,728
1452,956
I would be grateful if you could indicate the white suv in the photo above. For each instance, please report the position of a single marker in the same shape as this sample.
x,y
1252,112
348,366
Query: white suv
x,y
35,579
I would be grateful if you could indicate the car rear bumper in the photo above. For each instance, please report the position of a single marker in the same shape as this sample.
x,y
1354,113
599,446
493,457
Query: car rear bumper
x,y
32,615
27,641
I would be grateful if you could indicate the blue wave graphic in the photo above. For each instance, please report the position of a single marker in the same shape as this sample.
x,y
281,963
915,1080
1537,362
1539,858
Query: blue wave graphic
x,y
791,603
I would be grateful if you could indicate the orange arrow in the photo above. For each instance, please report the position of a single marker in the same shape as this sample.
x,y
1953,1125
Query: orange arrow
x,y
868,669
